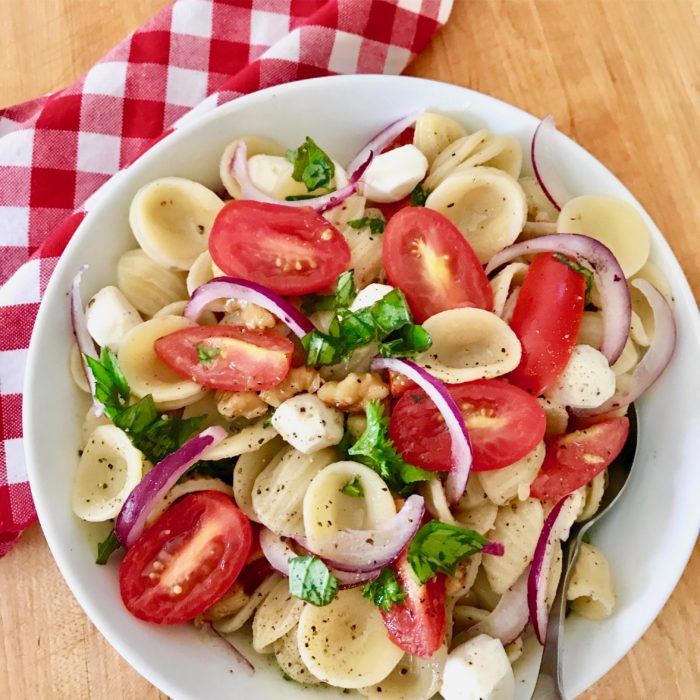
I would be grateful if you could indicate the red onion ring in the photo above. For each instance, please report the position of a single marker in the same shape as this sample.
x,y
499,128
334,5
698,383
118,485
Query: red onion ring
x,y
655,359
134,513
86,345
239,169
227,287
456,481
609,278
278,553
540,570
542,156
382,140
509,618
364,551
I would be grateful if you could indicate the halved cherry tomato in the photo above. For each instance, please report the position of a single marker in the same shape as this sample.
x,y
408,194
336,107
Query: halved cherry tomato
x,y
575,458
187,560
546,319
232,358
291,250
418,624
504,424
405,138
432,263
399,383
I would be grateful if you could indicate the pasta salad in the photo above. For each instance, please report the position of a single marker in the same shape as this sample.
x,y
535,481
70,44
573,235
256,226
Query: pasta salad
x,y
356,411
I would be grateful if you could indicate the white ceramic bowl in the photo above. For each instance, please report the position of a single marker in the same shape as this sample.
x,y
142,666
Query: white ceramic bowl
x,y
648,537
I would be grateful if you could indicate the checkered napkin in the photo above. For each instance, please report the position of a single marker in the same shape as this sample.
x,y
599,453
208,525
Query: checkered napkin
x,y
55,151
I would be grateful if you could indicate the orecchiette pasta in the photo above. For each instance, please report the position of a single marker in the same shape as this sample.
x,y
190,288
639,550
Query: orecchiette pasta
x,y
500,152
254,146
182,489
287,654
277,614
246,440
539,208
591,590
230,624
76,370
593,496
247,469
200,272
502,282
453,155
434,132
503,485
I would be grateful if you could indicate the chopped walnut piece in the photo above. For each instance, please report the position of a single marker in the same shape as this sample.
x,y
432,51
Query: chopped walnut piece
x,y
233,600
240,403
239,312
299,380
354,392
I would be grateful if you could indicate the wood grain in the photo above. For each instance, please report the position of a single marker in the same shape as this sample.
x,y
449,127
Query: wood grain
x,y
621,77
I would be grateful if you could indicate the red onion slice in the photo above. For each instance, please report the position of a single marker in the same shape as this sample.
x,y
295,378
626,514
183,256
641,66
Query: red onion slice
x,y
542,155
509,618
227,287
540,570
278,553
134,513
456,481
239,168
363,551
382,140
608,275
86,345
248,667
655,359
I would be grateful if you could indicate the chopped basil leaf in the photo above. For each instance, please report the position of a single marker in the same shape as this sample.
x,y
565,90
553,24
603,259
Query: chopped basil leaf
x,y
581,269
301,197
135,419
312,166
419,195
311,580
267,423
353,487
409,341
586,537
375,449
345,294
111,388
107,547
322,349
390,313
165,435
206,354
213,469
440,546
376,223
384,591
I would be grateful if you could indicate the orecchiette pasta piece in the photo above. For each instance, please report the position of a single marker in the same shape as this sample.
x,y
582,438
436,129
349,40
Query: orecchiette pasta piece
x,y
461,583
232,602
275,616
356,424
638,331
193,485
486,597
246,440
108,470
534,229
453,155
509,306
434,132
500,152
487,205
614,222
206,406
246,471
593,494
539,208
468,615
480,518
557,417
591,587
502,282
171,219
436,501
351,209
469,344
90,423
518,526
590,332
473,495
254,146
412,679
147,373
148,285
278,492
77,372
109,317
235,622
554,574
200,273
652,274
642,325
327,509
289,660
345,643
514,650
503,485
366,260
627,360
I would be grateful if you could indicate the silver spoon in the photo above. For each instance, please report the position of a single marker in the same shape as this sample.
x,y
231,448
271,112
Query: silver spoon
x,y
550,683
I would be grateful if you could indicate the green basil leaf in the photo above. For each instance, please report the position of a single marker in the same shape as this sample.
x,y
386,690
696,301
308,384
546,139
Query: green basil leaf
x,y
206,354
322,349
419,195
111,388
312,165
390,313
440,546
375,223
353,487
213,469
385,591
355,328
581,269
345,294
409,341
311,580
107,547
135,419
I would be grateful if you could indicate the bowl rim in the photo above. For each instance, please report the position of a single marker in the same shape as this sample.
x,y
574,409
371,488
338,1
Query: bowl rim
x,y
195,122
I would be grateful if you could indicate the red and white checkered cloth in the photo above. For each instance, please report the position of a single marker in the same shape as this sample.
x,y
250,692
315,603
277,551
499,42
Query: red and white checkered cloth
x,y
55,151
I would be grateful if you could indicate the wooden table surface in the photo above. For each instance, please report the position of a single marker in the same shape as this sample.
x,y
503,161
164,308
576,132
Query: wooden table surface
x,y
621,77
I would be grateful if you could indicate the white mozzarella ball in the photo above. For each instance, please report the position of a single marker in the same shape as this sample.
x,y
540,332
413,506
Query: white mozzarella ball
x,y
307,424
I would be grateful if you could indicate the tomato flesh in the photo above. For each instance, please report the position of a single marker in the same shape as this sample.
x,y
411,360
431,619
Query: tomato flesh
x,y
432,263
187,560
546,319
232,358
290,250
418,624
504,424
572,460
